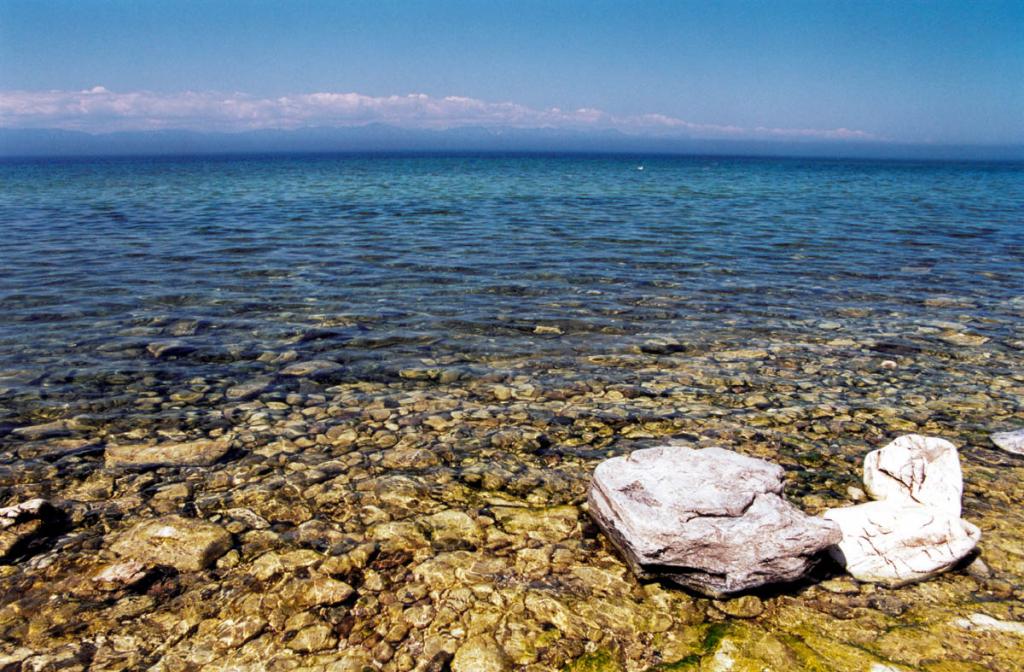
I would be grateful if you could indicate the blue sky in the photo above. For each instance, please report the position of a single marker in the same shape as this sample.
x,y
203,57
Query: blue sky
x,y
944,72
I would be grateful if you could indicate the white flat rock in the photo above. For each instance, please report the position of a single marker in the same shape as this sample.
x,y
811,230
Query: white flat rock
x,y
893,544
712,520
916,469
1011,442
986,623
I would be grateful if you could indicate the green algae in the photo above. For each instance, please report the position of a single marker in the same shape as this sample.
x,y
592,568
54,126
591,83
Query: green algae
x,y
601,660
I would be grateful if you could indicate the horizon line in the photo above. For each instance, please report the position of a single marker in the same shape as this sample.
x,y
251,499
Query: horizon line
x,y
99,109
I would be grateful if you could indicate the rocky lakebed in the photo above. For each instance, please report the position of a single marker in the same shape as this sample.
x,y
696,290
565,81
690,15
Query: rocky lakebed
x,y
286,517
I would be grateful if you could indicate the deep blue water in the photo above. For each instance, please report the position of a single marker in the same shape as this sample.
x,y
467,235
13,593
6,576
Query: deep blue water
x,y
383,262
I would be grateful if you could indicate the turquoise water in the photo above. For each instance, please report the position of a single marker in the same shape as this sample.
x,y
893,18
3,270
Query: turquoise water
x,y
380,262
487,330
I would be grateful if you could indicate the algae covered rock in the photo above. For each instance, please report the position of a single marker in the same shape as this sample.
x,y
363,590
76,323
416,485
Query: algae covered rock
x,y
711,519
916,469
187,544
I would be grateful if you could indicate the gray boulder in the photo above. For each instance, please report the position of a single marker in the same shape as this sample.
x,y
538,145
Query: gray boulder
x,y
711,520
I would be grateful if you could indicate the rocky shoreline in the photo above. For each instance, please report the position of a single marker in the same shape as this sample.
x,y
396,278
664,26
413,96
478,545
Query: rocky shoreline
x,y
299,519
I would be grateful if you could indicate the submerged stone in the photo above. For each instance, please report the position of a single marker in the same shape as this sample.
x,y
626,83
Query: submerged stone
x,y
711,519
248,389
46,430
894,544
169,348
481,654
120,575
203,452
25,526
187,544
311,369
962,338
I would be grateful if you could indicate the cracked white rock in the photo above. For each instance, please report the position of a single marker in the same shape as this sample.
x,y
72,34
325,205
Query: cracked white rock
x,y
893,544
1011,442
711,519
916,469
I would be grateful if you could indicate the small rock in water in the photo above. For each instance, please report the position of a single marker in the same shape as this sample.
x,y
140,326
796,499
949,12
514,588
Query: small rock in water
x,y
916,469
183,328
248,390
856,494
187,544
711,519
893,544
1011,442
662,346
963,338
203,452
311,369
46,430
171,348
25,526
120,575
481,654
747,606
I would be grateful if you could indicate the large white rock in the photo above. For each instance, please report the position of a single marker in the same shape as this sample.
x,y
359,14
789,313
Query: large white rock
x,y
916,469
711,519
894,544
1011,442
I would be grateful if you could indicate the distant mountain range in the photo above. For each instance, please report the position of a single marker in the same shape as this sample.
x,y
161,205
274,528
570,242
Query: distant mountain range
x,y
387,139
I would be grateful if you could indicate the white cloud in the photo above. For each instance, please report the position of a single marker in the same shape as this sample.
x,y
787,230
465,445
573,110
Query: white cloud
x,y
100,110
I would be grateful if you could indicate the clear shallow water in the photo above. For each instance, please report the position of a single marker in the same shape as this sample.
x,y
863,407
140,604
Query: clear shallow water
x,y
498,326
462,257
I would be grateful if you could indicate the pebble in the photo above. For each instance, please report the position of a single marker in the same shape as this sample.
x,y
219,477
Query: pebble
x,y
747,606
171,348
316,368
